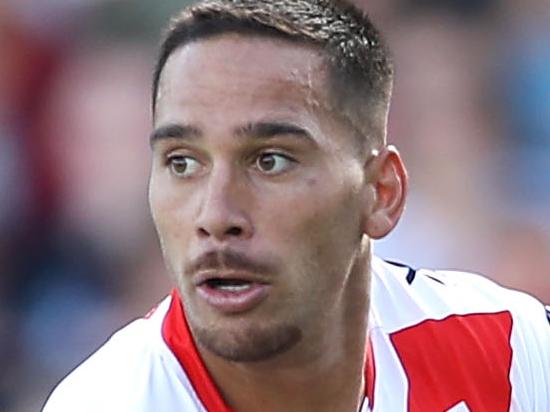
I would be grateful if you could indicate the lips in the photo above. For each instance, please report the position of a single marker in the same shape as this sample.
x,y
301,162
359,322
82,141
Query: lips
x,y
231,293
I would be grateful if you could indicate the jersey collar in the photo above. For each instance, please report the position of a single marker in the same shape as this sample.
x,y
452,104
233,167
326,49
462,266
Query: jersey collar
x,y
177,335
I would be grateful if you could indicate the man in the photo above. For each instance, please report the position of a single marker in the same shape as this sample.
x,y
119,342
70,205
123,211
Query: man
x,y
271,175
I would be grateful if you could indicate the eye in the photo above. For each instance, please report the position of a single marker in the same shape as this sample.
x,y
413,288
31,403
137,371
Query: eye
x,y
183,166
273,163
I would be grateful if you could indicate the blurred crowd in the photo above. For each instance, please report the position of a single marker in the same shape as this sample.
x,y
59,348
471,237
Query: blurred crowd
x,y
78,252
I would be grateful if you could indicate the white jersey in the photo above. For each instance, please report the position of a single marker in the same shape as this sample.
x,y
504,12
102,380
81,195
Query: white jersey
x,y
439,341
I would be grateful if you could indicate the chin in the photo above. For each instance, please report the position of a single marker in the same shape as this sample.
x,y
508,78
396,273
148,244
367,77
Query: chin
x,y
248,343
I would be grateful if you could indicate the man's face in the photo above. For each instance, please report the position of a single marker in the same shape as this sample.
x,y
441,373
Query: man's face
x,y
256,192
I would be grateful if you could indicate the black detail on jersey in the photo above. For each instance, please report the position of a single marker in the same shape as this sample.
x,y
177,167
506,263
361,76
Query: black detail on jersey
x,y
436,279
548,313
411,274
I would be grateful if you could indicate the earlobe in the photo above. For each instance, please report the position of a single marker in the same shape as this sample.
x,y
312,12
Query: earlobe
x,y
388,183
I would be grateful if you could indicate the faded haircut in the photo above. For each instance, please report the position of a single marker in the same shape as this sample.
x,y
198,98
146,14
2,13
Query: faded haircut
x,y
360,69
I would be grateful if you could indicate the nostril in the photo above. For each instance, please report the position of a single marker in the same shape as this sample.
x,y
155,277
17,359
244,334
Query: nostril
x,y
203,232
234,231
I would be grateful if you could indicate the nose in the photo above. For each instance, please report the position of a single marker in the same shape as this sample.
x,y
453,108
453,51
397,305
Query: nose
x,y
223,208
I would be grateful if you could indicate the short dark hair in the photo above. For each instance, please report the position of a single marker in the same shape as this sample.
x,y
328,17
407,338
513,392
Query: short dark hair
x,y
360,68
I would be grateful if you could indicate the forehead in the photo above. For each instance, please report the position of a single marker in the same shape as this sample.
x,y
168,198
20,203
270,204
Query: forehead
x,y
232,72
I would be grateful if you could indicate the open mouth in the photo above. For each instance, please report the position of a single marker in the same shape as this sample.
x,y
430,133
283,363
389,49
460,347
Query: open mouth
x,y
228,285
232,295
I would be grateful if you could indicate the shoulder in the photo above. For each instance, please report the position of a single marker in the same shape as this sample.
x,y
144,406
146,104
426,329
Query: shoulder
x,y
404,296
463,329
118,376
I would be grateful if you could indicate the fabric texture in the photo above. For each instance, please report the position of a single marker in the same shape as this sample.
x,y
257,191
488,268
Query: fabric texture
x,y
438,341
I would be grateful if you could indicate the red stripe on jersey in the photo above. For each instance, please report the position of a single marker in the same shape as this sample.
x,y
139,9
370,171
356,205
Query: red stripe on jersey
x,y
460,358
370,375
176,334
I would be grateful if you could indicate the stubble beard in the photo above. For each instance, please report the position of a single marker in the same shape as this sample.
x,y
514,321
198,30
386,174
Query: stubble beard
x,y
250,344
238,340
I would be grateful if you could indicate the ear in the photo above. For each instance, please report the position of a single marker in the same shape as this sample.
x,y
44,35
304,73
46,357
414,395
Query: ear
x,y
387,182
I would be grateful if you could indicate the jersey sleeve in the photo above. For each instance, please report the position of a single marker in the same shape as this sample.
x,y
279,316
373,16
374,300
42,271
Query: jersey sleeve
x,y
86,387
59,403
530,374
70,396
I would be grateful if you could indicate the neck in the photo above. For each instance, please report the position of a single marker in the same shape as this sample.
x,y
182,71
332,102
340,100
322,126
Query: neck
x,y
325,372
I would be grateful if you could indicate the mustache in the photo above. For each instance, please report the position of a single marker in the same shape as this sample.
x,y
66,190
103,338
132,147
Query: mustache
x,y
228,260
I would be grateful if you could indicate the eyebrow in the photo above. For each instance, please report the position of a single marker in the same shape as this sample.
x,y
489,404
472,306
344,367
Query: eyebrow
x,y
173,131
266,130
260,130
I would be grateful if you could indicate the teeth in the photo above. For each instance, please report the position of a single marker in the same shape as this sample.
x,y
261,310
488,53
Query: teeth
x,y
229,285
234,288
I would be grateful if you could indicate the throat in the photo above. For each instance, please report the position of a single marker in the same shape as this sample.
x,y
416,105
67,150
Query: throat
x,y
272,388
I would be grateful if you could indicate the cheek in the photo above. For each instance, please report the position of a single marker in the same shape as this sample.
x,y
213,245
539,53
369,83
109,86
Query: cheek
x,y
167,213
318,223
